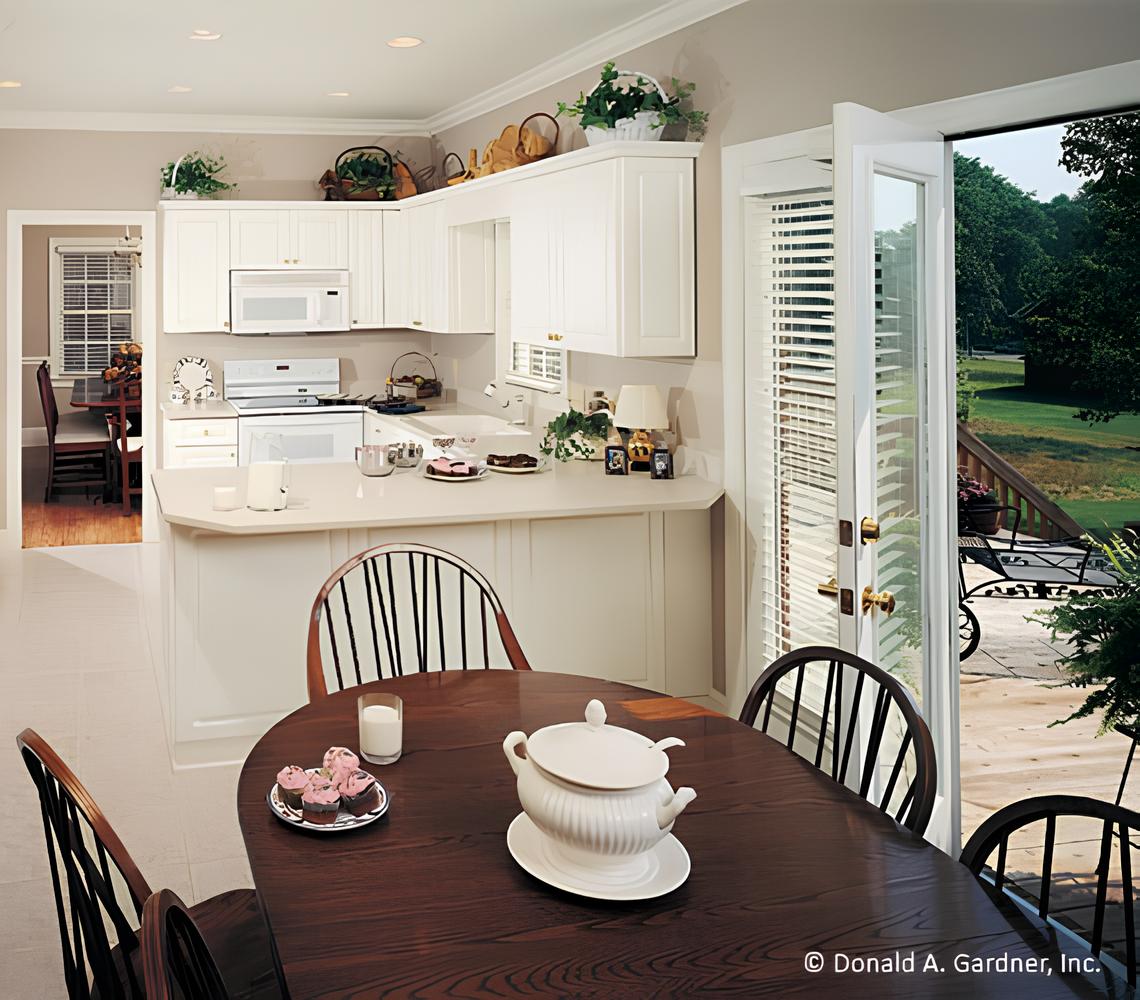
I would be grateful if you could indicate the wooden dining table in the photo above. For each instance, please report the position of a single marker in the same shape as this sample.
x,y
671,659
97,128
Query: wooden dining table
x,y
790,870
92,393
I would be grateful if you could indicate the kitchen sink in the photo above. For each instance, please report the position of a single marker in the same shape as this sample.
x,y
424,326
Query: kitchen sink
x,y
469,425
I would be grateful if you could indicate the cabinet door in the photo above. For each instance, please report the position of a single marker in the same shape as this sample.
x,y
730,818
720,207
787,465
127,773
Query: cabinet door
x,y
586,255
439,285
396,269
366,267
195,271
259,238
658,269
471,278
427,279
319,238
532,279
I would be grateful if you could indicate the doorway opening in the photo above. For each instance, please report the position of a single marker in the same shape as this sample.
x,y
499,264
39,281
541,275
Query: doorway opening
x,y
81,321
1048,407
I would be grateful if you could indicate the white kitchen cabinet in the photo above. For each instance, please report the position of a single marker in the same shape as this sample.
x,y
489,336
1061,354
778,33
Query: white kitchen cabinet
x,y
259,238
366,263
427,267
195,271
211,442
471,278
602,258
396,298
274,238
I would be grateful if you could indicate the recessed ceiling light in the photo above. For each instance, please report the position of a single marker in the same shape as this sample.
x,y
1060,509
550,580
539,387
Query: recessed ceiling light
x,y
405,42
10,84
204,35
338,93
179,89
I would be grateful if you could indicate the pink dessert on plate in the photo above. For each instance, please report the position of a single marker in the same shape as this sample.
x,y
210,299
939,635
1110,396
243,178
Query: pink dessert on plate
x,y
291,780
359,791
320,801
338,760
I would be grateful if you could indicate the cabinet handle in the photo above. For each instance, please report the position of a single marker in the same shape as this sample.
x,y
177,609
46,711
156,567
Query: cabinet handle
x,y
226,324
554,336
417,322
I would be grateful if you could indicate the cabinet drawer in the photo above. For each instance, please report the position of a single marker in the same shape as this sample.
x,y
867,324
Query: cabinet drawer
x,y
201,432
202,456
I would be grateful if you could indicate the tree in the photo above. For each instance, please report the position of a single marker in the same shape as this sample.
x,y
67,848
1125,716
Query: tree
x,y
1090,319
1000,257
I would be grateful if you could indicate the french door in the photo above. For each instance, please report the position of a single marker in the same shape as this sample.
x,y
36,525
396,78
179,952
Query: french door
x,y
848,364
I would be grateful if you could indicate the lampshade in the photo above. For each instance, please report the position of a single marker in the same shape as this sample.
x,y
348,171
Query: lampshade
x,y
641,407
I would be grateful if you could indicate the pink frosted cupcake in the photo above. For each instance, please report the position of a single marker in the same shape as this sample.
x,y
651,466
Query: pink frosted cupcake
x,y
338,760
291,782
320,801
359,791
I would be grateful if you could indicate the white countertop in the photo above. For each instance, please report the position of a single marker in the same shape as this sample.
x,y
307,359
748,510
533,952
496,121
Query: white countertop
x,y
335,496
203,410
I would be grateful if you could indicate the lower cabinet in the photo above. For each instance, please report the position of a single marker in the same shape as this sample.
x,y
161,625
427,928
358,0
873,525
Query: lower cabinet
x,y
210,442
625,598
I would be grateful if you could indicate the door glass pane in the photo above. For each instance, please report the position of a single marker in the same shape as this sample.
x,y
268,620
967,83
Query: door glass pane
x,y
899,423
790,425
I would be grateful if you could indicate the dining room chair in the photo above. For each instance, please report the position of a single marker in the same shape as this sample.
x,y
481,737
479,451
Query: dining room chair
x,y
124,443
176,961
99,894
77,443
854,721
402,608
1061,899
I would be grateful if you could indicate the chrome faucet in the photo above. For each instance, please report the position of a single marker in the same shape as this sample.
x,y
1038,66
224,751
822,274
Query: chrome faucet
x,y
515,405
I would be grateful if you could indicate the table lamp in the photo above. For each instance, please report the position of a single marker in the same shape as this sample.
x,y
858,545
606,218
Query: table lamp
x,y
640,409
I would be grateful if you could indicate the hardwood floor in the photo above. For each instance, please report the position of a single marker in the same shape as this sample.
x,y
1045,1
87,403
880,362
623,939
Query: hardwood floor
x,y
71,518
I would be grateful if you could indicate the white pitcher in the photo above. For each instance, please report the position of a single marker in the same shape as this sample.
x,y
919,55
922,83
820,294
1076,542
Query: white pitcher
x,y
268,485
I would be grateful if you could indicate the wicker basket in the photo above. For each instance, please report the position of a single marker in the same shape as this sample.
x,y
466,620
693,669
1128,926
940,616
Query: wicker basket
x,y
381,190
639,128
406,385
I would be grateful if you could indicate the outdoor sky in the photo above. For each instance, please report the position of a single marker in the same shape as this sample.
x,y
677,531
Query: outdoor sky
x,y
1028,158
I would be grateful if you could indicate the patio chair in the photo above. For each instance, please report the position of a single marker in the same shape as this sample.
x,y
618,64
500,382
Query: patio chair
x,y
1022,568
1059,904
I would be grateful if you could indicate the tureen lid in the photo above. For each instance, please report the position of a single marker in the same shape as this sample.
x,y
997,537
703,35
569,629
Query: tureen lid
x,y
599,756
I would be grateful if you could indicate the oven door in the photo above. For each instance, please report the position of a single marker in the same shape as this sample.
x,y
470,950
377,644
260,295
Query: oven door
x,y
328,437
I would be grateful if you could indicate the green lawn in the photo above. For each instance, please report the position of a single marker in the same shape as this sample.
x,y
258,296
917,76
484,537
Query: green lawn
x,y
1091,470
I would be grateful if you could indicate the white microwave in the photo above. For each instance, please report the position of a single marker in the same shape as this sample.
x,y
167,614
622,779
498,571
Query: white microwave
x,y
288,302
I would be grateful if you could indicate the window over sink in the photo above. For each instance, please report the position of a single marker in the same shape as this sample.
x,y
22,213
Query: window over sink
x,y
539,368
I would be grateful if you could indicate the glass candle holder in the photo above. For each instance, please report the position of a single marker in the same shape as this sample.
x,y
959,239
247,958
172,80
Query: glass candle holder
x,y
381,720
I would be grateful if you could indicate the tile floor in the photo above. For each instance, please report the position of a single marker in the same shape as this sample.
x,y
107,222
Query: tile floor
x,y
77,667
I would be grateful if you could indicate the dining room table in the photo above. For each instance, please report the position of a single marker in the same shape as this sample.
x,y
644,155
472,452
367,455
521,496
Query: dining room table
x,y
798,887
92,393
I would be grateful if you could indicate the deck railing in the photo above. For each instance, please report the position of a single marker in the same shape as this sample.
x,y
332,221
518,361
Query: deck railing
x,y
1040,516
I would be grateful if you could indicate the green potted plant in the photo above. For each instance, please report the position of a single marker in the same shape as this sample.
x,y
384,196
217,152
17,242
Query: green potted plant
x,y
194,176
978,506
640,110
573,434
1103,628
366,175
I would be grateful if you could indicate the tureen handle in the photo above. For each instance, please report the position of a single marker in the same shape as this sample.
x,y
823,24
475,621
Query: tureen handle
x,y
513,740
665,744
595,714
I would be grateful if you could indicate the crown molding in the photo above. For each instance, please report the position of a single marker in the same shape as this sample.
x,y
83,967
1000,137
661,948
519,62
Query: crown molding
x,y
670,17
114,121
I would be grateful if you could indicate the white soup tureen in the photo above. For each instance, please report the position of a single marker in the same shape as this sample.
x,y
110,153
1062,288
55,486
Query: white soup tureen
x,y
597,791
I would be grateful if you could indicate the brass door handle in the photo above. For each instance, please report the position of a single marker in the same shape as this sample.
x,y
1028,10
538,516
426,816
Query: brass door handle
x,y
868,530
828,589
885,601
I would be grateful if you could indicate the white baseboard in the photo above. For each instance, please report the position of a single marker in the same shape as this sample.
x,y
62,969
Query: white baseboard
x,y
34,437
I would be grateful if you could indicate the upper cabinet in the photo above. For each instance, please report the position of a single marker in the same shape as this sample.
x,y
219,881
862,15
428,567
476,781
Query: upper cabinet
x,y
366,261
273,238
602,258
196,271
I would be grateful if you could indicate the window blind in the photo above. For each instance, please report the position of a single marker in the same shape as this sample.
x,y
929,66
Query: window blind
x,y
95,292
541,366
791,419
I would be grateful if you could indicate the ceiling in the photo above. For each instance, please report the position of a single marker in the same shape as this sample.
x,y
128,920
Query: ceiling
x,y
282,58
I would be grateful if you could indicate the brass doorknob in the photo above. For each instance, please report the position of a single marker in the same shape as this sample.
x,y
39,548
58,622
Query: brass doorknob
x,y
869,530
828,589
885,601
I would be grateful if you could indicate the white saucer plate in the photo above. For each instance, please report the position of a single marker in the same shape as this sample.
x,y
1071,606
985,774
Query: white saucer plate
x,y
668,866
427,474
344,819
541,467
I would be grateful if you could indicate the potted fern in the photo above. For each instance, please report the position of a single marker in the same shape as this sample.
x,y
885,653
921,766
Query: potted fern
x,y
640,110
193,175
1103,629
573,434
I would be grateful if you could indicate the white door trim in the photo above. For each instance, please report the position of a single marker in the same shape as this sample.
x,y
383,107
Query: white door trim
x,y
148,303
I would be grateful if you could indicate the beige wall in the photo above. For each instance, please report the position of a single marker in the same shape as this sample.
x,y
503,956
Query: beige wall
x,y
90,171
774,66
36,299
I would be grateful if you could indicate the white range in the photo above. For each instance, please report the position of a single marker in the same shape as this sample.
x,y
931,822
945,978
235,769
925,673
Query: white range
x,y
283,397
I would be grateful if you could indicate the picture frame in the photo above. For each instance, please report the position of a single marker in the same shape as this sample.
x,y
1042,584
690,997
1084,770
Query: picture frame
x,y
617,462
661,464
